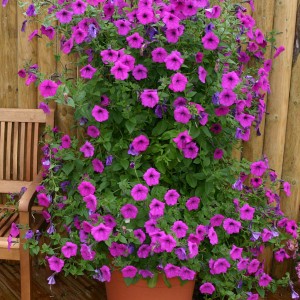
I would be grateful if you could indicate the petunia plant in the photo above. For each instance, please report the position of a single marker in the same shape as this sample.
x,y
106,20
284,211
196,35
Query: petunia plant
x,y
165,91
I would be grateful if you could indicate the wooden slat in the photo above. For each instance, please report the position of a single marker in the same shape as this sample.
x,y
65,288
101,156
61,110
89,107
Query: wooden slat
x,y
8,150
5,224
22,151
9,186
28,151
2,136
15,150
12,254
22,115
35,149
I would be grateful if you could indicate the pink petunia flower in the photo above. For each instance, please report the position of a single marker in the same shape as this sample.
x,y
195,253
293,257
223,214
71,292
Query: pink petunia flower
x,y
149,98
171,271
182,139
124,26
69,249
230,80
140,143
48,31
145,15
190,151
174,61
55,264
247,212
258,168
129,211
227,97
109,55
264,280
100,114
171,197
129,272
287,188
178,82
87,72
213,237
279,50
43,200
236,252
87,149
187,274
64,16
91,202
180,229
218,154
232,226
140,72
182,114
156,209
151,176
87,253
192,203
98,165
120,71
159,55
66,141
207,288
168,243
135,41
210,41
48,88
93,131
101,232
86,188
139,192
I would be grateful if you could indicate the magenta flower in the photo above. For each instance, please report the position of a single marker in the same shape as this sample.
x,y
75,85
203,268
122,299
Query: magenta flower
x,y
65,142
159,55
127,60
117,249
48,31
178,82
245,119
199,57
109,55
120,71
232,226
253,266
48,88
210,41
101,232
171,21
174,61
279,50
55,264
182,139
129,272
213,13
91,202
79,7
149,98
243,264
124,26
217,220
230,80
287,188
140,235
171,271
87,149
100,114
129,211
218,154
202,74
135,41
140,72
14,230
213,237
44,107
79,35
146,274
69,249
207,288
144,251
180,229
145,16
190,151
193,249
291,228
187,274
236,252
266,235
85,188
281,255
64,16
182,114
227,97
258,168
220,266
167,243
247,212
86,252
33,34
151,176
98,165
192,203
264,280
43,200
139,192
156,208
171,197
105,274
67,46
140,143
87,72
173,35
93,131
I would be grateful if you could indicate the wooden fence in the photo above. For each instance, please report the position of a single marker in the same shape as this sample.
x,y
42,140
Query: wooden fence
x,y
280,139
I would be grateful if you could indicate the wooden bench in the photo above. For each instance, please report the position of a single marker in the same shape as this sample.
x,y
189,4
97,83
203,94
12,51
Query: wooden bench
x,y
20,132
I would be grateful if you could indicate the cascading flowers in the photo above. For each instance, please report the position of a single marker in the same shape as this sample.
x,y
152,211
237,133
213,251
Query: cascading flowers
x,y
163,93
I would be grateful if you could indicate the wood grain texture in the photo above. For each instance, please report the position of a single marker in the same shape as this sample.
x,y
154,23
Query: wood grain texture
x,y
274,140
264,16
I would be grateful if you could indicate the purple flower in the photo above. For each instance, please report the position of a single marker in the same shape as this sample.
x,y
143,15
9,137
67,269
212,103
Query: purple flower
x,y
69,249
100,114
129,272
210,41
129,211
101,232
168,243
192,203
55,264
149,98
140,143
180,229
232,226
207,288
156,208
139,192
171,271
109,160
182,114
247,212
171,197
30,12
219,266
236,252
87,149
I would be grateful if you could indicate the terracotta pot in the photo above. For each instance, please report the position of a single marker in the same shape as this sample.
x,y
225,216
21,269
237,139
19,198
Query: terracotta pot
x,y
116,289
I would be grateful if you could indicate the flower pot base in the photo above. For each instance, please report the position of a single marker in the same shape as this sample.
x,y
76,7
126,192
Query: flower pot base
x,y
116,289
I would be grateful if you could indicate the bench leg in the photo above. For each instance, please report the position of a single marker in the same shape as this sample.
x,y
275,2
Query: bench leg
x,y
25,261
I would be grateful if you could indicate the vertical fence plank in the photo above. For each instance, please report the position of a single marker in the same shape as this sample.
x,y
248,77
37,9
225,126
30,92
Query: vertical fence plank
x,y
27,51
284,22
8,55
264,16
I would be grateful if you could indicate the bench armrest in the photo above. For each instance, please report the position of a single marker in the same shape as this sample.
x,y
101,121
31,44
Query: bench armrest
x,y
24,202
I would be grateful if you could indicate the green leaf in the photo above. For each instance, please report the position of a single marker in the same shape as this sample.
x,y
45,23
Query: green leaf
x,y
166,281
261,291
191,180
128,281
130,126
160,128
152,281
68,167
